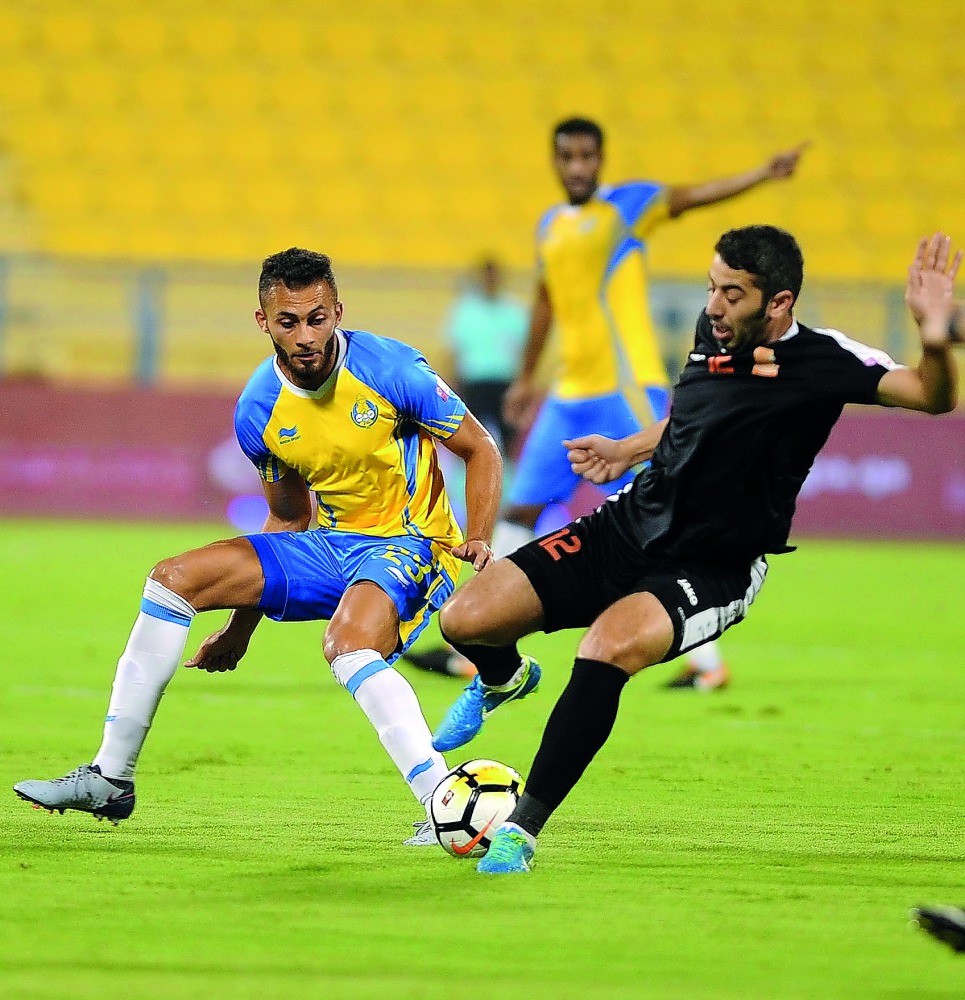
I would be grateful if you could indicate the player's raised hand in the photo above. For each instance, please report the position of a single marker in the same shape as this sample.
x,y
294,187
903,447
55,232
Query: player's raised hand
x,y
597,458
221,651
784,164
928,292
474,551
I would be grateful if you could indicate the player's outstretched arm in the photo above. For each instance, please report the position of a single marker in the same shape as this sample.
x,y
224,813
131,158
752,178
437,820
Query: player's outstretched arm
x,y
682,198
520,399
601,459
932,387
484,481
289,509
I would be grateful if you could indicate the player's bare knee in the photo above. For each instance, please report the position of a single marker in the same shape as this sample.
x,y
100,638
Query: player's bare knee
x,y
172,574
630,652
451,621
463,619
332,646
347,634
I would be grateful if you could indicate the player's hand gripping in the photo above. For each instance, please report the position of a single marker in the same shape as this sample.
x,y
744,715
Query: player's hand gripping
x,y
928,292
597,458
474,551
221,651
782,165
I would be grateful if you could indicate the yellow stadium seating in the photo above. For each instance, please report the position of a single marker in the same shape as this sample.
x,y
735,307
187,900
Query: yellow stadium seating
x,y
417,133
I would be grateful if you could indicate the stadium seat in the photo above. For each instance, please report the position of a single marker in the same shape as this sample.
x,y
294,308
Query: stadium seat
x,y
136,37
431,127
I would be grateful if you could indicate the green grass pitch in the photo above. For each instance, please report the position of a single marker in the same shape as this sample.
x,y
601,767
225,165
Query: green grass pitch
x,y
761,842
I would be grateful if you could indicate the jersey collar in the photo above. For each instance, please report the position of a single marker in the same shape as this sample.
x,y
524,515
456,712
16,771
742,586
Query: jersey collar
x,y
792,331
326,387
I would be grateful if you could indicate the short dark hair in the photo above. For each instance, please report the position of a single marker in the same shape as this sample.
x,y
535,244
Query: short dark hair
x,y
772,255
295,268
578,126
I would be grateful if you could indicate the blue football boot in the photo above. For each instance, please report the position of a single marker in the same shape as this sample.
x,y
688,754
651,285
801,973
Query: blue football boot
x,y
467,714
510,853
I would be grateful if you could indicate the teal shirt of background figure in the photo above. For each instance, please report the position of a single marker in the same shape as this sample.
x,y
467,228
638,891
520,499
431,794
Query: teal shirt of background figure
x,y
487,335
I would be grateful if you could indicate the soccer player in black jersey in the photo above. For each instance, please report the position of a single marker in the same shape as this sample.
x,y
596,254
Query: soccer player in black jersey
x,y
678,557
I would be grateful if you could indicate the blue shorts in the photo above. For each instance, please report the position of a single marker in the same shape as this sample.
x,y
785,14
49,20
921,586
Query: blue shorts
x,y
307,572
543,473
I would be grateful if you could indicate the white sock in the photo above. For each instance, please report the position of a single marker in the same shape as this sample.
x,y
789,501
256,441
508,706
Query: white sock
x,y
509,536
706,658
391,706
147,664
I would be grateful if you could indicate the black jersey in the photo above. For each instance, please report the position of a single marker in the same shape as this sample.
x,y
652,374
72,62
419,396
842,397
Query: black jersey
x,y
744,430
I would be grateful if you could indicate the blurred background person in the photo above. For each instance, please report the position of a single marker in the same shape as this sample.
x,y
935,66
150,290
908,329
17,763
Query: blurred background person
x,y
592,287
486,330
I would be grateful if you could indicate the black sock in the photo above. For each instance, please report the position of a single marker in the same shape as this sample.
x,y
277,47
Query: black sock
x,y
578,726
496,664
530,814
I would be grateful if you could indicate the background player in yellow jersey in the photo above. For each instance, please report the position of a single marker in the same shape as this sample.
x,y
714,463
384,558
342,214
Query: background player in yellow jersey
x,y
351,420
593,289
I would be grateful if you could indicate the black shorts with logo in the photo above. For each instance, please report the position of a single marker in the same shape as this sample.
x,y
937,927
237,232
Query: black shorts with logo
x,y
580,570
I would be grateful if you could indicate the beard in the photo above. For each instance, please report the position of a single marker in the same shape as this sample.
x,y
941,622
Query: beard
x,y
750,333
307,373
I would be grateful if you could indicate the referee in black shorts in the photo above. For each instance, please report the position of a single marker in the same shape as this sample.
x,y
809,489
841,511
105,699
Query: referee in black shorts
x,y
680,555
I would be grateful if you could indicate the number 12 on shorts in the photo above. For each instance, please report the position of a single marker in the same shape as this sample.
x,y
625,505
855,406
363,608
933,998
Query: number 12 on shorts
x,y
561,543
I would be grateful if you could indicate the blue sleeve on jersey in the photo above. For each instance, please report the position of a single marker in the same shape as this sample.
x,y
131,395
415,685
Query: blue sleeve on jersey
x,y
252,414
541,227
543,224
403,376
633,198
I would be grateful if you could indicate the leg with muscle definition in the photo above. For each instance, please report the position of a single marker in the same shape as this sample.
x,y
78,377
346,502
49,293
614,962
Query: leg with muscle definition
x,y
362,635
224,574
632,634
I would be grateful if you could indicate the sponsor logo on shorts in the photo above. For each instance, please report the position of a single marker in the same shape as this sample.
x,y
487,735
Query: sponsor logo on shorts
x,y
686,587
364,412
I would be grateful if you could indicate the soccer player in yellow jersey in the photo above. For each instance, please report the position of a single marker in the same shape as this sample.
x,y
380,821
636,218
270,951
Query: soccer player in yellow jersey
x,y
593,289
347,420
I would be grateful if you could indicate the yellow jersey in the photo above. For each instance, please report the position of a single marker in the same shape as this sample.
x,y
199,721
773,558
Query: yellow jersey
x,y
364,442
591,258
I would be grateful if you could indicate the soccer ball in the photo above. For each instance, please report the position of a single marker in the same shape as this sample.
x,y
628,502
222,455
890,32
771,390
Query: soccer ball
x,y
469,804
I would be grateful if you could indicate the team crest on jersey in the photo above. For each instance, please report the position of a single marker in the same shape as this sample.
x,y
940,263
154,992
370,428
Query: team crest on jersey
x,y
364,412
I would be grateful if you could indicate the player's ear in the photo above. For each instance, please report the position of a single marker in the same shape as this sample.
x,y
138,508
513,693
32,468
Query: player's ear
x,y
262,320
338,313
781,304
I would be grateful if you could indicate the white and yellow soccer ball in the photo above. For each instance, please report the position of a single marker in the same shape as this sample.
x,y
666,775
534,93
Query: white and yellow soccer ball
x,y
469,804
